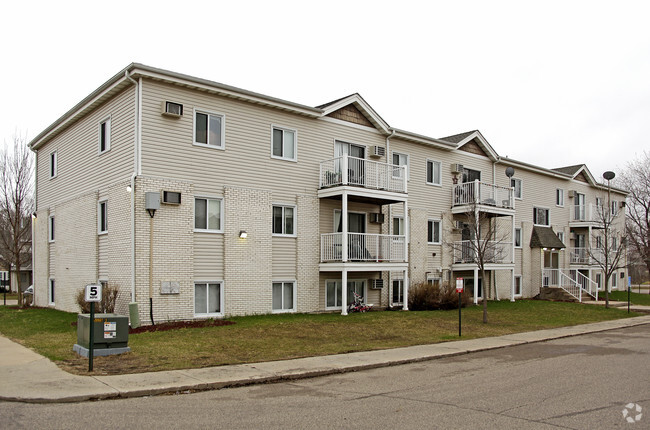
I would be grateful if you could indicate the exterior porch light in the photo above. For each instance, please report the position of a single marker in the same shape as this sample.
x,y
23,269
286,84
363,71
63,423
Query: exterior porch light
x,y
128,188
243,234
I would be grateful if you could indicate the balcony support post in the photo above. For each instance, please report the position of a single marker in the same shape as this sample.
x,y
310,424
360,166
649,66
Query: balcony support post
x,y
344,227
512,294
344,292
407,235
405,286
344,168
476,285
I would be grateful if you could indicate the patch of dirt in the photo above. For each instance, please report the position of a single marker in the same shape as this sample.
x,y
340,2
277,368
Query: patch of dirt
x,y
175,325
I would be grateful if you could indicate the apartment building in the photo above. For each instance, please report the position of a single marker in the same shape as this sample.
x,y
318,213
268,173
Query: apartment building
x,y
198,199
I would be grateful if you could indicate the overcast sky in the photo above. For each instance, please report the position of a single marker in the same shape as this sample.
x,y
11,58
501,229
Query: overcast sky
x,y
549,83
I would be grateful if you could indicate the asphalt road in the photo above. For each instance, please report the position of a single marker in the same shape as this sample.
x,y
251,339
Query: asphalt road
x,y
581,382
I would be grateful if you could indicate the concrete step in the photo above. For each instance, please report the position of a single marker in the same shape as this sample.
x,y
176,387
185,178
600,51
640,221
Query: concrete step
x,y
555,294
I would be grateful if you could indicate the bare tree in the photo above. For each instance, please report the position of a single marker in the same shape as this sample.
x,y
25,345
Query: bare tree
x,y
610,244
16,206
486,244
636,180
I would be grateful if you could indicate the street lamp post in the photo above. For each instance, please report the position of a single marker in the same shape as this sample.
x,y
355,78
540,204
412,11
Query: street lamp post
x,y
608,175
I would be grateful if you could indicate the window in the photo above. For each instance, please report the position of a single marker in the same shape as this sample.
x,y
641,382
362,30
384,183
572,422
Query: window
x,y
516,184
208,298
517,285
398,226
102,217
283,220
614,208
105,136
599,202
50,228
599,242
560,235
283,144
283,296
559,197
400,160
433,280
50,292
334,291
53,164
541,216
208,214
599,281
517,237
434,172
398,291
209,129
614,280
614,244
433,232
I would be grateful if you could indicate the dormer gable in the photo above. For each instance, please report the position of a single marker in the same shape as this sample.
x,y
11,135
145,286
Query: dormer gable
x,y
474,143
354,109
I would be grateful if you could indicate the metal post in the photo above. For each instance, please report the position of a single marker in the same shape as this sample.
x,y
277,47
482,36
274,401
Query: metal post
x,y
459,300
91,351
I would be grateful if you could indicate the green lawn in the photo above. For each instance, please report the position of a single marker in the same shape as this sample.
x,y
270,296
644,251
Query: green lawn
x,y
635,298
285,336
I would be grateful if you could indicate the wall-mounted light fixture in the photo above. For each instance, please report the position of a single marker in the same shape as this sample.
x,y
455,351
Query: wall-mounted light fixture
x,y
128,188
243,234
34,216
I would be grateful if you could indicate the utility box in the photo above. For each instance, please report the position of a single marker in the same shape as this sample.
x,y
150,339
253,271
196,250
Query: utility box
x,y
111,334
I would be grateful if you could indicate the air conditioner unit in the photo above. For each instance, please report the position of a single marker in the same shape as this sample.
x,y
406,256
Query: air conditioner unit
x,y
171,198
172,109
377,151
572,194
456,168
377,218
459,225
622,205
376,284
573,236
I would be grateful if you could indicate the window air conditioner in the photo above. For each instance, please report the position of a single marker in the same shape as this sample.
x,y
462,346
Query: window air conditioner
x,y
376,284
171,197
456,168
377,218
378,151
572,194
172,109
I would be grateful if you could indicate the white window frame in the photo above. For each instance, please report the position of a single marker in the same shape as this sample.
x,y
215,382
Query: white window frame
x,y
433,172
400,284
560,235
51,229
559,197
295,217
295,289
513,182
51,291
400,225
518,229
401,156
434,221
221,299
614,208
208,230
54,164
102,210
614,280
107,146
365,292
223,129
535,208
295,143
431,279
521,285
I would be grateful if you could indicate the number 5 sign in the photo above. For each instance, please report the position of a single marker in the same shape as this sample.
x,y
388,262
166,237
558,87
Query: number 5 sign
x,y
94,293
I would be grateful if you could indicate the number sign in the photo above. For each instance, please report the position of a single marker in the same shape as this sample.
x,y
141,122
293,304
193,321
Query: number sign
x,y
94,293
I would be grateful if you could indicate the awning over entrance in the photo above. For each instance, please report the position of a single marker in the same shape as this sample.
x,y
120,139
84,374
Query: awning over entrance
x,y
545,237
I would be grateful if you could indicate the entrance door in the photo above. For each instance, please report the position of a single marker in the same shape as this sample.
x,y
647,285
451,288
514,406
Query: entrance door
x,y
469,285
356,222
356,166
470,175
551,261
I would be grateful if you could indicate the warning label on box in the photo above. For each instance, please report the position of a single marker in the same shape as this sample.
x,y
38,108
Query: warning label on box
x,y
109,335
110,326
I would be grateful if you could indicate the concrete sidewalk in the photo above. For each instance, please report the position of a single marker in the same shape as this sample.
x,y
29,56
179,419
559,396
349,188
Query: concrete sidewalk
x,y
29,377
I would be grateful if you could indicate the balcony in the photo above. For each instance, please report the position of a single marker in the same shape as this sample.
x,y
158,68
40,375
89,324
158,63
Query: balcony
x,y
587,214
488,198
363,247
359,172
494,252
580,256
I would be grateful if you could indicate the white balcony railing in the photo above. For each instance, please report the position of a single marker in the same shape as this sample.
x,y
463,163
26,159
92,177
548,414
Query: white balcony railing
x,y
363,247
580,255
587,213
346,170
494,252
587,285
558,278
481,193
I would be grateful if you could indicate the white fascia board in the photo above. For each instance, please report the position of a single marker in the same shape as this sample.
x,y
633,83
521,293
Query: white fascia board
x,y
364,107
418,138
492,154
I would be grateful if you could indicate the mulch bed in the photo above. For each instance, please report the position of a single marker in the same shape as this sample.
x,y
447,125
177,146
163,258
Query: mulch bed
x,y
175,325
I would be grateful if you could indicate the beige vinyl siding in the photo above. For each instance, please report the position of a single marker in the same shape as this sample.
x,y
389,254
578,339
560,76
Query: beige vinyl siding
x,y
103,256
284,258
208,256
80,167
246,160
328,206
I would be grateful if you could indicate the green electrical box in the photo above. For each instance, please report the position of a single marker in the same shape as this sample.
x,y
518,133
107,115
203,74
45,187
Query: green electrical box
x,y
111,331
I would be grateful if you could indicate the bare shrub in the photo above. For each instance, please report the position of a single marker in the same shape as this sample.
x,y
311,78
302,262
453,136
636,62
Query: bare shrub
x,y
424,296
106,306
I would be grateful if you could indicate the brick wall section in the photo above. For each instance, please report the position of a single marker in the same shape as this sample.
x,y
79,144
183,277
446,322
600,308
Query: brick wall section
x,y
308,254
119,244
247,267
418,248
41,249
76,249
173,250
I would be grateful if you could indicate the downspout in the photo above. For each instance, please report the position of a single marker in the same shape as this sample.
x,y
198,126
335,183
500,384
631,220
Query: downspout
x,y
136,169
33,227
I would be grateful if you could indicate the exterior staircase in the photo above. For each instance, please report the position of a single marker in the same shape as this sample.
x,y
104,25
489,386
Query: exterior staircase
x,y
556,294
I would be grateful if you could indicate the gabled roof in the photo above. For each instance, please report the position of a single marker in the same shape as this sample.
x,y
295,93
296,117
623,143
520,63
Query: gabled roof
x,y
576,170
358,102
476,136
569,170
545,237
